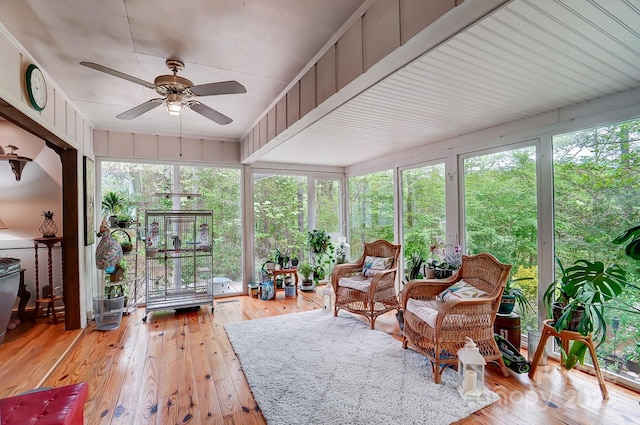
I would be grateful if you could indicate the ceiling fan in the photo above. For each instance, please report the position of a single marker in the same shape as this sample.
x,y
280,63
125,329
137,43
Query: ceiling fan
x,y
178,92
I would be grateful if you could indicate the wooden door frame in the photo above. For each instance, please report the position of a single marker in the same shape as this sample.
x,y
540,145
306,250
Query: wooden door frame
x,y
70,214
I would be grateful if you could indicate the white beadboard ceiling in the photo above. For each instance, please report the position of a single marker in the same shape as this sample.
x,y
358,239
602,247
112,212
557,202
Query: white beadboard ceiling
x,y
527,58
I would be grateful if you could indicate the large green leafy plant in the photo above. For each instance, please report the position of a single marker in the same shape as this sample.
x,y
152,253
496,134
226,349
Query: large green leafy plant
x,y
577,302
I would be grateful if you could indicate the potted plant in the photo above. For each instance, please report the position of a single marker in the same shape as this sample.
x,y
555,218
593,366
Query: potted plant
x,y
306,270
289,287
123,220
414,265
576,303
112,204
512,295
127,246
319,241
321,248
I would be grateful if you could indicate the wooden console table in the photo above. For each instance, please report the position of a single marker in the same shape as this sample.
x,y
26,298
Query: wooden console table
x,y
52,298
565,336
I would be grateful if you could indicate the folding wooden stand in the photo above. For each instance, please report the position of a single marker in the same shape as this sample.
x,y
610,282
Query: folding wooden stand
x,y
565,336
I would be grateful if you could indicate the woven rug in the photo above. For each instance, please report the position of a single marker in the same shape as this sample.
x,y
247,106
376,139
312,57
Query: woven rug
x,y
313,368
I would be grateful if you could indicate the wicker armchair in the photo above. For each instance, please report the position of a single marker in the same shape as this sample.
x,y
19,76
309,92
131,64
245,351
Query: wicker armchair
x,y
369,296
441,329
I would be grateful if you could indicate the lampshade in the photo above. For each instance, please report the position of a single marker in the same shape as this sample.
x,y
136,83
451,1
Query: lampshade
x,y
174,104
2,226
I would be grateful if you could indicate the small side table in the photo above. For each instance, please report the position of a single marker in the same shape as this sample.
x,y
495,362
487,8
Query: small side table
x,y
508,327
52,298
274,273
565,336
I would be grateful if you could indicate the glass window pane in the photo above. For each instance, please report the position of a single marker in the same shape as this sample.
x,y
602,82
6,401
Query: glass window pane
x,y
423,211
327,205
221,192
596,192
138,184
281,222
501,216
370,209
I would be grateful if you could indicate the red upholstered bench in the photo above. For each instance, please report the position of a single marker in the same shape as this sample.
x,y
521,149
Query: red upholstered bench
x,y
55,406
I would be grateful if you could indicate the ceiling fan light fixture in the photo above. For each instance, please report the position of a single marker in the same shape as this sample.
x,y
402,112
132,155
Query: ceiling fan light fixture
x,y
174,104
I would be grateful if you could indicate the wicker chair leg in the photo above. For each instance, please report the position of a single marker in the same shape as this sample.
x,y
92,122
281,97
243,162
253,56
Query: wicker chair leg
x,y
505,371
437,374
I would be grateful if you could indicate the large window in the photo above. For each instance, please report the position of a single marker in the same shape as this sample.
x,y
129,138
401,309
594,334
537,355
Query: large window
x,y
370,209
218,189
221,192
423,210
327,205
281,222
501,215
596,192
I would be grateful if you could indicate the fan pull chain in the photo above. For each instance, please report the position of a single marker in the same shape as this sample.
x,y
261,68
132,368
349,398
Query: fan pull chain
x,y
180,135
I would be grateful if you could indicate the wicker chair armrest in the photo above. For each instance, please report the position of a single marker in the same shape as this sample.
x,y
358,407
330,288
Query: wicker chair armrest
x,y
460,306
382,280
424,289
343,270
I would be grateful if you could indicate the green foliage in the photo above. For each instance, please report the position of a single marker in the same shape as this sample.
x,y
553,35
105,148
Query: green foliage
x,y
589,286
414,266
370,209
633,247
306,270
112,203
514,289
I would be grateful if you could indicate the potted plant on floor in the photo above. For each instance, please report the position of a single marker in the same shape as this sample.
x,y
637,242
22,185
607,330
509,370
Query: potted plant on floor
x,y
321,250
289,287
306,270
577,302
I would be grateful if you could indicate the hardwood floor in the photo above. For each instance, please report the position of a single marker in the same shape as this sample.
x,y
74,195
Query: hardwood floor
x,y
181,369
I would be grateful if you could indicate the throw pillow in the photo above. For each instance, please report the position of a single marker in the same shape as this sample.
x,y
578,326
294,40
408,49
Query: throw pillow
x,y
373,265
461,289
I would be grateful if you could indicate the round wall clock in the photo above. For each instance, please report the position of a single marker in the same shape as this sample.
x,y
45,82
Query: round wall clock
x,y
36,87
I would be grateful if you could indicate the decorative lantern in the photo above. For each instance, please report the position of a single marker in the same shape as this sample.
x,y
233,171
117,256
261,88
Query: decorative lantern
x,y
328,298
470,371
48,228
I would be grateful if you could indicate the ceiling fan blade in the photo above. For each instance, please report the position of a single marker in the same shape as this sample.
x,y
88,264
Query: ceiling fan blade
x,y
210,113
223,87
140,109
118,74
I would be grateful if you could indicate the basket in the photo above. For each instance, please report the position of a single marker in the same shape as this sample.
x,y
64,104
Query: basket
x,y
125,243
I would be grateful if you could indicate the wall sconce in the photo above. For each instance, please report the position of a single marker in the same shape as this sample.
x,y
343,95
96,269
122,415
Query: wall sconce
x,y
17,162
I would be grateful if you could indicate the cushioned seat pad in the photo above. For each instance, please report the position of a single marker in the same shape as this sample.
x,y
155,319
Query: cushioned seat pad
x,y
426,310
357,282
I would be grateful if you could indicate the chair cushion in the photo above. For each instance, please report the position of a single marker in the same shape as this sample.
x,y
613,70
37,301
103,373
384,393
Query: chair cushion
x,y
461,289
357,282
426,310
373,265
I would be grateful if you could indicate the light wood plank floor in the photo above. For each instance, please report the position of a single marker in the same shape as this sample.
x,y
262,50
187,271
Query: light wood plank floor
x,y
181,369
